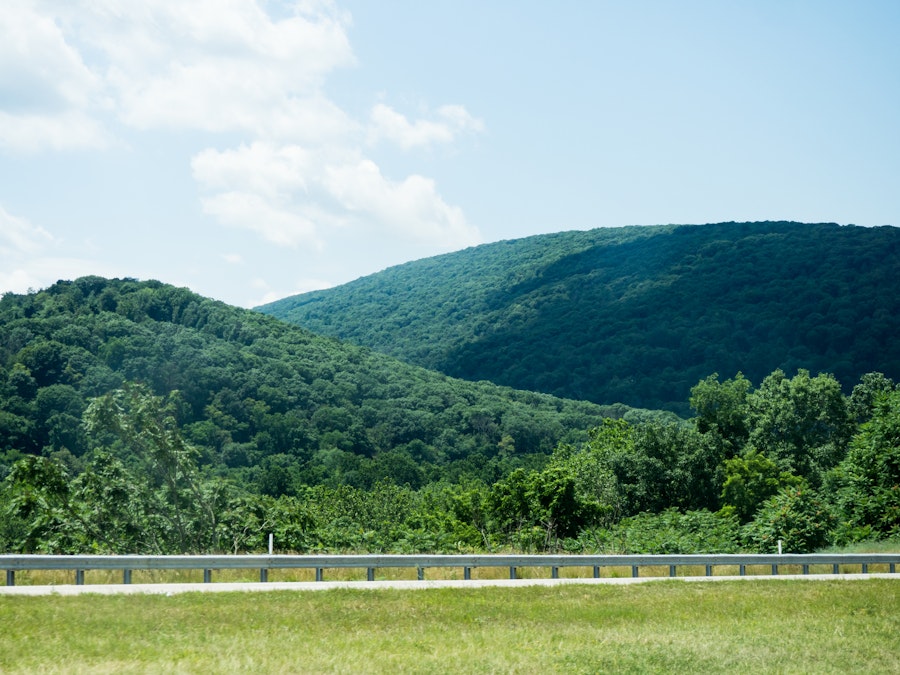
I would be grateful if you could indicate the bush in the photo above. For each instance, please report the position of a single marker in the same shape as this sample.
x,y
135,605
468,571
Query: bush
x,y
668,532
797,516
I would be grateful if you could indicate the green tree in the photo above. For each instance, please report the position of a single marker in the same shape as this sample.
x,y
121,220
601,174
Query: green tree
x,y
118,514
147,425
802,423
38,507
870,496
721,408
668,465
871,387
797,516
596,484
751,479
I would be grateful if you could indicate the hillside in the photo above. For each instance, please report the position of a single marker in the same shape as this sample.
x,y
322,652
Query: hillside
x,y
635,315
137,417
267,403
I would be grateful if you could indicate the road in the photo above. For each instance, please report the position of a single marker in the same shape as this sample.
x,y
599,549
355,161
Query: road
x,y
225,587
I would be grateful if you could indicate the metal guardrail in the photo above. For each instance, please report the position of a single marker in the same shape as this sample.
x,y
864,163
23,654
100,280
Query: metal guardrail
x,y
208,563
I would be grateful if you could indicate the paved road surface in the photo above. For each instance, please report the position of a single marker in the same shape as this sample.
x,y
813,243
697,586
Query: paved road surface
x,y
171,589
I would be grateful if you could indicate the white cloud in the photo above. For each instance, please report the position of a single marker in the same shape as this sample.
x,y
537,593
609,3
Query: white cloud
x,y
294,196
250,211
18,236
263,168
223,66
411,207
452,120
271,295
39,70
70,129
207,65
98,69
29,257
46,90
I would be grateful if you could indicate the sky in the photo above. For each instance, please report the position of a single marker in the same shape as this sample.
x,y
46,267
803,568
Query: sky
x,y
254,149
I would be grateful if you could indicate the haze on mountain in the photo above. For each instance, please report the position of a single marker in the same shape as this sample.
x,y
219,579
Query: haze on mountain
x,y
636,315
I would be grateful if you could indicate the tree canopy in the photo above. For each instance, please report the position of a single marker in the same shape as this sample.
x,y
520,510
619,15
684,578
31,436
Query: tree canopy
x,y
635,315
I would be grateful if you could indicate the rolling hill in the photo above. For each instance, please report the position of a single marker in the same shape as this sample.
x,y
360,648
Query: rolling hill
x,y
265,402
635,315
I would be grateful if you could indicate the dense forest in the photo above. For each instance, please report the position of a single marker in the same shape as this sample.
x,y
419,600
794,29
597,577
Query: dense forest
x,y
251,392
635,315
138,417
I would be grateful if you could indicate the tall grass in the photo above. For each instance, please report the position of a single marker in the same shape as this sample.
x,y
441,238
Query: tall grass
x,y
784,626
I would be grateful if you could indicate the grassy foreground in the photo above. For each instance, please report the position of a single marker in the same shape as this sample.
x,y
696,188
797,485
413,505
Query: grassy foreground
x,y
669,626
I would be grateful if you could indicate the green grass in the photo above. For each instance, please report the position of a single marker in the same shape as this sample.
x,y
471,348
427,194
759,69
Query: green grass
x,y
773,626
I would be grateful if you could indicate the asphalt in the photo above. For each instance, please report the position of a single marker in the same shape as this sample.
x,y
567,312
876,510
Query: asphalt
x,y
225,587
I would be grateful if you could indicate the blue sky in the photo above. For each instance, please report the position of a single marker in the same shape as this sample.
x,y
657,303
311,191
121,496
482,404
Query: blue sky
x,y
253,149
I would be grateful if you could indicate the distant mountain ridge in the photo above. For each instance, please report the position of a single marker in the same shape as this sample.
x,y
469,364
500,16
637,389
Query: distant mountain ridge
x,y
635,315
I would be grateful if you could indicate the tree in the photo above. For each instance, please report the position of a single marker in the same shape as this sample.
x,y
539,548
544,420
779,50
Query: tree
x,y
596,484
802,423
118,514
721,409
668,465
750,480
38,507
797,516
146,424
871,472
865,394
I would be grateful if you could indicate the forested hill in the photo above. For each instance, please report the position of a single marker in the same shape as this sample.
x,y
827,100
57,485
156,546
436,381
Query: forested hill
x,y
267,403
636,314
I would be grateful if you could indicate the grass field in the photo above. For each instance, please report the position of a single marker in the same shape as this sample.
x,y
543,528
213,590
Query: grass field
x,y
670,626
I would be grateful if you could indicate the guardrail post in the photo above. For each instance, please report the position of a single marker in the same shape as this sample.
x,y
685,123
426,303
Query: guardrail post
x,y
840,563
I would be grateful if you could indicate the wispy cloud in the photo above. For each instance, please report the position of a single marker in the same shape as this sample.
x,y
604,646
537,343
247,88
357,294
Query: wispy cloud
x,y
17,235
303,168
448,124
32,258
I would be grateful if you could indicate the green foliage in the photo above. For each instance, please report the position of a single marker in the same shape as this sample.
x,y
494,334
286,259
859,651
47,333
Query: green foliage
x,y
636,314
797,516
140,418
870,496
721,409
38,507
669,532
751,479
268,405
802,423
